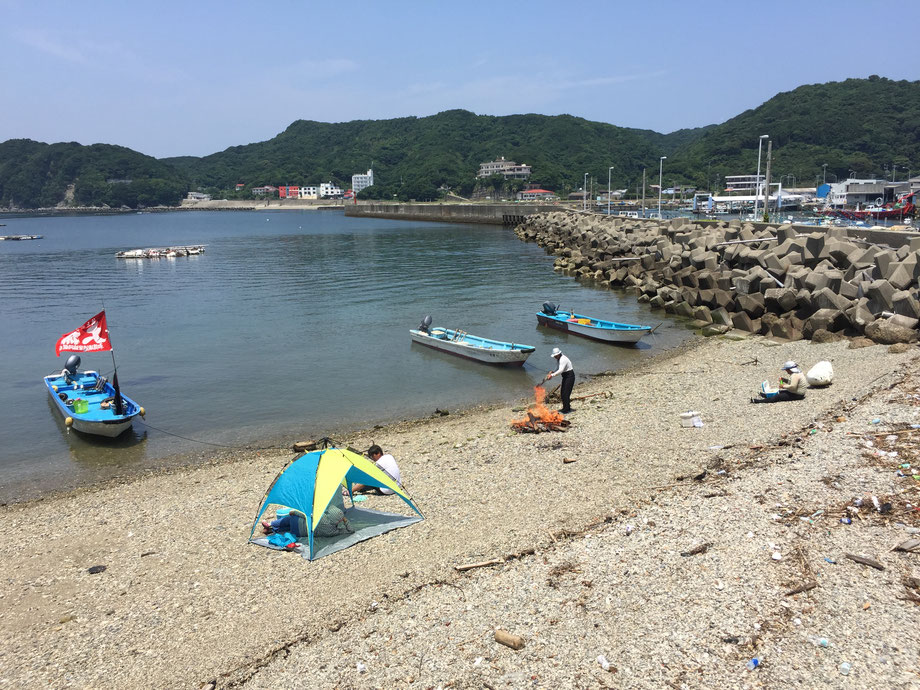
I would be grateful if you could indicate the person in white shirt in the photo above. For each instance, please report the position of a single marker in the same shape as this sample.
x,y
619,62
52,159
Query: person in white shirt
x,y
387,463
567,372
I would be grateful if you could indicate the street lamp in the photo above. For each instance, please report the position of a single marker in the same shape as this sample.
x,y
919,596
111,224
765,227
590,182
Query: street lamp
x,y
660,170
584,199
824,180
608,189
757,193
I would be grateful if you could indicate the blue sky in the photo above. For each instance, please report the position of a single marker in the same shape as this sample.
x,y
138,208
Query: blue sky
x,y
191,78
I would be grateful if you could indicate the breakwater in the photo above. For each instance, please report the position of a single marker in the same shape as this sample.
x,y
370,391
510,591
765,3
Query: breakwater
x,y
780,280
489,214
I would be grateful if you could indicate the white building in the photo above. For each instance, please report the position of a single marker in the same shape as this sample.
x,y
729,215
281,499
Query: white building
x,y
327,190
308,193
359,182
744,183
508,169
198,196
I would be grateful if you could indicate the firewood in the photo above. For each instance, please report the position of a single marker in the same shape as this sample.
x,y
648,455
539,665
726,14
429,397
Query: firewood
x,y
482,564
802,588
865,561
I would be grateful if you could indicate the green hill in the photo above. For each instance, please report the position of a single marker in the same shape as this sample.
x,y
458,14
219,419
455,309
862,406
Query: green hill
x,y
861,125
34,175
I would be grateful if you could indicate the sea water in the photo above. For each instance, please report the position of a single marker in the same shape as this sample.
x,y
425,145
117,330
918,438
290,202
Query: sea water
x,y
291,325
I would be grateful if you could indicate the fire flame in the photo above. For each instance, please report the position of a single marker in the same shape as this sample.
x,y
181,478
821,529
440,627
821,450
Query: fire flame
x,y
538,413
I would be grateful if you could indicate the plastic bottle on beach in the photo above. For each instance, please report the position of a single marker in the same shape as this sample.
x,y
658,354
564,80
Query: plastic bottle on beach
x,y
752,664
844,668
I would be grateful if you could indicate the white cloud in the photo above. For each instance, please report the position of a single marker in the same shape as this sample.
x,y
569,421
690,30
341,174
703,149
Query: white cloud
x,y
46,44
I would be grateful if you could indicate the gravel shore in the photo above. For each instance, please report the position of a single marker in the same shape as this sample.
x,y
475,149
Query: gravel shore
x,y
590,549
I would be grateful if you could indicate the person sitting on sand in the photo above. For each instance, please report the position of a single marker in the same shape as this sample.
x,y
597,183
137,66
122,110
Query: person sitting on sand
x,y
791,388
387,463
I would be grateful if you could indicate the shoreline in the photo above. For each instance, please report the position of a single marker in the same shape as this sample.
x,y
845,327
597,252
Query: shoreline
x,y
183,600
181,462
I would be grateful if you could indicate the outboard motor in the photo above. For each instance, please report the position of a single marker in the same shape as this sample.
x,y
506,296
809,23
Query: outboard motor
x,y
72,364
425,325
549,308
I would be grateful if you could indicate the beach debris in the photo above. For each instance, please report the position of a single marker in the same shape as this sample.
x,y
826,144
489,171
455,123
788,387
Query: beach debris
x,y
629,530
802,588
361,668
908,545
702,548
777,556
96,569
304,446
819,641
752,664
602,660
441,413
508,639
844,668
481,564
865,561
566,461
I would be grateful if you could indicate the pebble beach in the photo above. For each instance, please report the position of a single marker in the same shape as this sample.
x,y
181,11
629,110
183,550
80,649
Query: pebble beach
x,y
627,551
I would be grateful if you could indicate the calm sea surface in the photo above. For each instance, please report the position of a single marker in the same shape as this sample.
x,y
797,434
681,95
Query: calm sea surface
x,y
292,325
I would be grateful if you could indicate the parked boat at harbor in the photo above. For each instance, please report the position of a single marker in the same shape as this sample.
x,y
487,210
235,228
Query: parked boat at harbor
x,y
161,252
590,327
473,347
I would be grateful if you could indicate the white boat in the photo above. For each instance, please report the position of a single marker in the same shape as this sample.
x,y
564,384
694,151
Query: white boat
x,y
589,327
473,347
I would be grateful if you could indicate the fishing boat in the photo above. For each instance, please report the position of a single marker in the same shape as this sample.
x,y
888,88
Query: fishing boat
x,y
473,347
590,327
902,208
89,403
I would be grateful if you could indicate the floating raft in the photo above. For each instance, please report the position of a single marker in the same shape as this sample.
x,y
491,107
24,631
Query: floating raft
x,y
161,252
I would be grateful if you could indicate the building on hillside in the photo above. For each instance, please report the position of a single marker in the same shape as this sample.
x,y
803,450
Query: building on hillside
x,y
508,169
359,182
537,195
198,196
328,190
746,184
309,192
262,191
855,191
240,185
289,192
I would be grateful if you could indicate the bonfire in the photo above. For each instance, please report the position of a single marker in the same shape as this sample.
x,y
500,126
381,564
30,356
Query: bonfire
x,y
539,417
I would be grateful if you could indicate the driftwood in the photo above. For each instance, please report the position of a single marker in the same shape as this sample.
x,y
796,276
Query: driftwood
x,y
865,561
301,446
566,461
509,640
702,548
482,564
909,545
802,588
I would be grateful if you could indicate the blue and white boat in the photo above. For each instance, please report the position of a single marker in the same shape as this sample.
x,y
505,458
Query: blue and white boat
x,y
590,327
473,347
87,402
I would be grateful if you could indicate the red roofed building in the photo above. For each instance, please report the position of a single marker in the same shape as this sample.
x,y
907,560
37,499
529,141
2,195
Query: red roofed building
x,y
288,192
536,195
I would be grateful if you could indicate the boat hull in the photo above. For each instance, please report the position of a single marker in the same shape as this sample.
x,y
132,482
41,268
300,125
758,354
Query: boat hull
x,y
474,348
596,329
99,419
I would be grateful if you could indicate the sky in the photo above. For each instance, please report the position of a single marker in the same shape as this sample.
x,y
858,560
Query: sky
x,y
191,78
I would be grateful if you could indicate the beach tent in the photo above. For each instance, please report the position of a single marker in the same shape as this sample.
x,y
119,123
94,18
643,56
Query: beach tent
x,y
311,487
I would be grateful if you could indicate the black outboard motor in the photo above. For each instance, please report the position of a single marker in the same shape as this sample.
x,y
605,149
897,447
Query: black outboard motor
x,y
425,325
72,364
549,308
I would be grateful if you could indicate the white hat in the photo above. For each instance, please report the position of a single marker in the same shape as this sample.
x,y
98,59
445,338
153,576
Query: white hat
x,y
556,352
790,365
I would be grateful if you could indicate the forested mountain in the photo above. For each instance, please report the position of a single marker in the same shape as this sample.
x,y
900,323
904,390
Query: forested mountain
x,y
34,175
863,125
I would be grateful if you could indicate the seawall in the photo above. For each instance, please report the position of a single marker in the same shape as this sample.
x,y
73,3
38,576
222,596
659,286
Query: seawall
x,y
489,214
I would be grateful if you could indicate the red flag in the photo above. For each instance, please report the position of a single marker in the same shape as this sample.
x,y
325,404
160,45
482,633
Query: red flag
x,y
92,336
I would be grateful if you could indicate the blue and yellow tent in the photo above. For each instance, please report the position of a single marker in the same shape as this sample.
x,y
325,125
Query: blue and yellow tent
x,y
311,487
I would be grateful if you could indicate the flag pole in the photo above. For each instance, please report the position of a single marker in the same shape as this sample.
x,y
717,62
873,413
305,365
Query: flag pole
x,y
119,403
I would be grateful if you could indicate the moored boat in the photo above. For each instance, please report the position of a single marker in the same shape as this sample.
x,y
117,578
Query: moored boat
x,y
590,327
462,344
89,403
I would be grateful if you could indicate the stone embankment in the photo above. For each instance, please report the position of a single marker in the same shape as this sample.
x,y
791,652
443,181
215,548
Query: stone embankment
x,y
768,279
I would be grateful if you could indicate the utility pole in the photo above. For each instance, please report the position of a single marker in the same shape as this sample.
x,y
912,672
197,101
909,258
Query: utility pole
x,y
643,192
766,200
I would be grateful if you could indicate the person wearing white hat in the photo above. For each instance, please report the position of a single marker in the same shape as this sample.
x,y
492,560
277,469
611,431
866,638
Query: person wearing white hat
x,y
567,372
791,387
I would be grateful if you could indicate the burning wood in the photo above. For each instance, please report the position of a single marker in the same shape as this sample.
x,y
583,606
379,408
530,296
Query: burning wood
x,y
539,417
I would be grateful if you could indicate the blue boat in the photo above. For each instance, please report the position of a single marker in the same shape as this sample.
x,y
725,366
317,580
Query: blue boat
x,y
473,347
590,327
87,401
